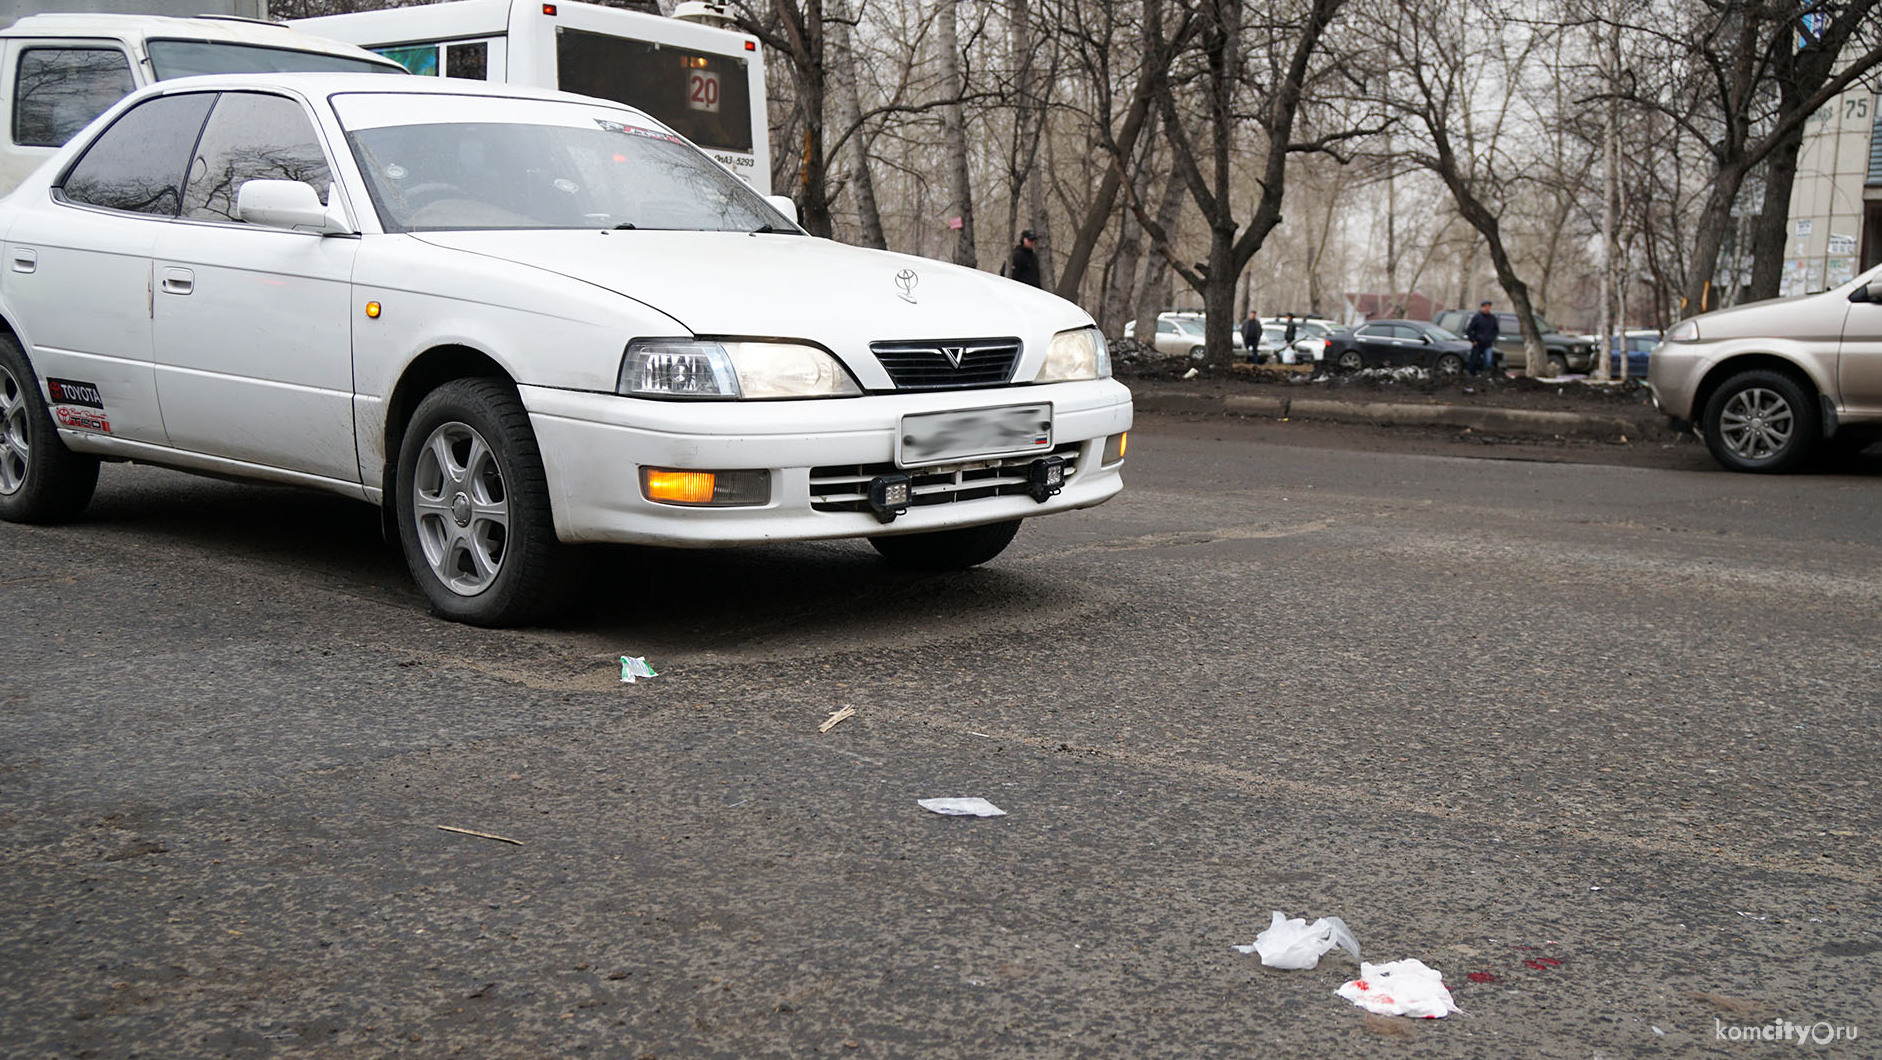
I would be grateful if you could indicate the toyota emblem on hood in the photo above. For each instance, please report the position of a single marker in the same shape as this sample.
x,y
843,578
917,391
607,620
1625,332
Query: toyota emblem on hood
x,y
905,281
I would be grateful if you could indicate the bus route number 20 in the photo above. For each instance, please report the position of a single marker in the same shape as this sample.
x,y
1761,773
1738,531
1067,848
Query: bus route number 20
x,y
702,90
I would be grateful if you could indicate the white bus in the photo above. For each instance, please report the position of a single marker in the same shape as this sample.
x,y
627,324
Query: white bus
x,y
707,83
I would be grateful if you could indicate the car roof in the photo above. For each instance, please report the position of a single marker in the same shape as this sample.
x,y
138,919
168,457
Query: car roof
x,y
209,28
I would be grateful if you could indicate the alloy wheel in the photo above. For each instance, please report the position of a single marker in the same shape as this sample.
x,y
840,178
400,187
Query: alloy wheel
x,y
461,508
14,449
1756,423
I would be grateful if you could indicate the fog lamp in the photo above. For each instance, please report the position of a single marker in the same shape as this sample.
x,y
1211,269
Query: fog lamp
x,y
1045,477
1114,448
716,489
889,496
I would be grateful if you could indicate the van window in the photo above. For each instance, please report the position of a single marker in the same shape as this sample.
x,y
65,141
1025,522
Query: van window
x,y
252,136
58,91
705,98
421,59
138,163
470,60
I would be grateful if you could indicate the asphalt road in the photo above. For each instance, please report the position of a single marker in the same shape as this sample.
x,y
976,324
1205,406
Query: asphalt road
x,y
1597,741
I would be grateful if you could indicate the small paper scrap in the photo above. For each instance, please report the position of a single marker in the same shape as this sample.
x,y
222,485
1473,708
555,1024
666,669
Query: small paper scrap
x,y
961,807
1402,988
634,667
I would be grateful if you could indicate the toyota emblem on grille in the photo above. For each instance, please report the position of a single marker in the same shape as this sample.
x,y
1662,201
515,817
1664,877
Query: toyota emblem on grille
x,y
906,281
953,354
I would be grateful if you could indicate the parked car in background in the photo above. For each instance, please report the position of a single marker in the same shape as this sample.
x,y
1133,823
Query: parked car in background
x,y
480,308
1771,384
1638,346
1310,338
1568,353
1180,334
1397,343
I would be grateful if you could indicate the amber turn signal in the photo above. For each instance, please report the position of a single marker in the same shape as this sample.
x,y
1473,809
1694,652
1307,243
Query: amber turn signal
x,y
372,310
1114,447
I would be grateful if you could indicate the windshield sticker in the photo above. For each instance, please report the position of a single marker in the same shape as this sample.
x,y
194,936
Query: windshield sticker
x,y
635,130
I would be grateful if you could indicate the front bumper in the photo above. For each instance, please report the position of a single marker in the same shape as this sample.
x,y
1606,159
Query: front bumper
x,y
594,445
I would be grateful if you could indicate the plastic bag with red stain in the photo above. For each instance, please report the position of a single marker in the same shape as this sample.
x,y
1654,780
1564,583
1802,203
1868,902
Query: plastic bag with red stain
x,y
1402,988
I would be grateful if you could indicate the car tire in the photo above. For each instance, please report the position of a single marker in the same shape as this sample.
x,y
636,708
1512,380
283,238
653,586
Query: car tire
x,y
946,550
1349,361
1761,421
1448,364
1197,353
473,509
41,481
1558,365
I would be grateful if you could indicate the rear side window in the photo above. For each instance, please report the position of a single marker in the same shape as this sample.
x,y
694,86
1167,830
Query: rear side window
x,y
705,98
251,136
138,163
58,91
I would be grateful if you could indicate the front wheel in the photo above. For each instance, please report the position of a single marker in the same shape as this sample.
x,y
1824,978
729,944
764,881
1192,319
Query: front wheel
x,y
41,481
473,509
1448,364
1761,421
945,550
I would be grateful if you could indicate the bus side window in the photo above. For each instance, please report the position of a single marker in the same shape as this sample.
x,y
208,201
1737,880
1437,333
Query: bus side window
x,y
468,60
420,59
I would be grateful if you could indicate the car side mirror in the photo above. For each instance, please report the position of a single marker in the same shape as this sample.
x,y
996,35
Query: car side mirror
x,y
290,204
1871,292
784,205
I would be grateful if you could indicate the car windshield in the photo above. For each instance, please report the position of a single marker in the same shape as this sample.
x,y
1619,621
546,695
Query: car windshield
x,y
441,163
189,58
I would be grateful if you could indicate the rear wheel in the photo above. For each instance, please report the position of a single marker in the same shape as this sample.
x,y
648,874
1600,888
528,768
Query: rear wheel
x,y
41,481
1761,421
1349,361
473,509
944,550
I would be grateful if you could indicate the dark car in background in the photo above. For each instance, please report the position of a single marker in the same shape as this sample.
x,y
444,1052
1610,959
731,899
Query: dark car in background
x,y
1396,343
1639,346
1569,353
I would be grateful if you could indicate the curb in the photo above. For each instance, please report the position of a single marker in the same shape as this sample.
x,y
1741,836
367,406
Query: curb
x,y
1475,417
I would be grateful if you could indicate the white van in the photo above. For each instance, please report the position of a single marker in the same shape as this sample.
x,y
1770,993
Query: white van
x,y
705,83
58,72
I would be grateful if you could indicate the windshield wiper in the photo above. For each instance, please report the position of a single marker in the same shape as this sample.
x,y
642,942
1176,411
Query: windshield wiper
x,y
623,225
771,229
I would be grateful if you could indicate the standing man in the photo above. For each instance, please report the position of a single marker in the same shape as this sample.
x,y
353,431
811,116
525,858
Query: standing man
x,y
1287,337
1481,331
1251,337
1024,265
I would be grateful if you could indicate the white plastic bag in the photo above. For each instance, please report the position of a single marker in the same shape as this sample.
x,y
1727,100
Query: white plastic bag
x,y
1295,944
1401,988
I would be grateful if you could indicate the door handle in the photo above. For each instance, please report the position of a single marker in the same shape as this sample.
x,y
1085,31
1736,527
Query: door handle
x,y
178,281
25,259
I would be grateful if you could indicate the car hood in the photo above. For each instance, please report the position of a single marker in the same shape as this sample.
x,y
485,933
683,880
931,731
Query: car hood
x,y
785,286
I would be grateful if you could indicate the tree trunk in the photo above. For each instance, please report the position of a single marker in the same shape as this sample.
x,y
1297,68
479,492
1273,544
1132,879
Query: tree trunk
x,y
850,121
954,133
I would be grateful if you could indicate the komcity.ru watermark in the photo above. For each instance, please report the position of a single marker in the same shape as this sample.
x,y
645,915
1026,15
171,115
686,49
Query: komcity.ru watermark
x,y
1822,1032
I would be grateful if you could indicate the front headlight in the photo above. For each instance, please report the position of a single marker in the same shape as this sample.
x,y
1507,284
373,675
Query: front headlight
x,y
1079,354
699,369
1684,331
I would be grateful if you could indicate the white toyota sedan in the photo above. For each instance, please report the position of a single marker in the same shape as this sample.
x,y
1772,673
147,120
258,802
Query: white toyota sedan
x,y
518,321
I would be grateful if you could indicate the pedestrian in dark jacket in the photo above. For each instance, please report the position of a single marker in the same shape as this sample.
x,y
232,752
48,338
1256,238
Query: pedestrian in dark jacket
x,y
1481,331
1251,337
1024,265
1287,337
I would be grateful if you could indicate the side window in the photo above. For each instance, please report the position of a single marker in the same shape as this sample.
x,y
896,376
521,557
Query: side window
x,y
251,136
137,164
468,60
58,91
421,59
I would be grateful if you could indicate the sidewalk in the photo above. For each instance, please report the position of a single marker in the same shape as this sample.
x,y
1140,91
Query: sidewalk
x,y
1585,411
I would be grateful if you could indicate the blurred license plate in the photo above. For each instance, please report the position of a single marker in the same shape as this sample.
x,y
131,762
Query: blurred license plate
x,y
933,437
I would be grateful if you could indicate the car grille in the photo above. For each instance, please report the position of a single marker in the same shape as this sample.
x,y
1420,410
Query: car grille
x,y
845,487
948,364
